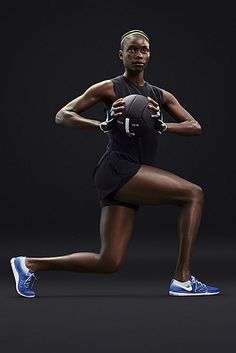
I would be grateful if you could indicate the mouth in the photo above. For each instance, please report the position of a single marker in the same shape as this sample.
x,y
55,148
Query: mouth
x,y
138,63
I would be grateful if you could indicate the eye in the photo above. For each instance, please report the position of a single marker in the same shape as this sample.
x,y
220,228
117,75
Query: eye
x,y
131,50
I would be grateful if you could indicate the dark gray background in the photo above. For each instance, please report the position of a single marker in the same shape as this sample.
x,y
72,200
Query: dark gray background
x,y
52,52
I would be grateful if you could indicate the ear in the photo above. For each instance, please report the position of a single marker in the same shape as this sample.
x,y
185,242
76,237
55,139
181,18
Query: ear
x,y
120,54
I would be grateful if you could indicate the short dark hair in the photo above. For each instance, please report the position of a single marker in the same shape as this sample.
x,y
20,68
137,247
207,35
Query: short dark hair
x,y
133,32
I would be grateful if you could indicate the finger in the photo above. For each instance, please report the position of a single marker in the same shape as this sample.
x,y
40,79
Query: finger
x,y
154,116
118,109
117,105
117,114
152,101
119,101
155,104
156,109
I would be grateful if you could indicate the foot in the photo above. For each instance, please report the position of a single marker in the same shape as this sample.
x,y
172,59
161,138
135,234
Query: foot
x,y
192,287
23,277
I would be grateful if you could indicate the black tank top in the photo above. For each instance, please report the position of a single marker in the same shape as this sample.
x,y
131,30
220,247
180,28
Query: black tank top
x,y
141,149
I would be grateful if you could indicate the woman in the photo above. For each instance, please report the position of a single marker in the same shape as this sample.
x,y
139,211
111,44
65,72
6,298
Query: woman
x,y
127,175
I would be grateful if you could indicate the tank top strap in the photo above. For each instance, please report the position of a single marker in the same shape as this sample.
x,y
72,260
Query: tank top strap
x,y
158,93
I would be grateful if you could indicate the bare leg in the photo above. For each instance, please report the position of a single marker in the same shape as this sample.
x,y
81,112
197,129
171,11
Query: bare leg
x,y
116,227
155,186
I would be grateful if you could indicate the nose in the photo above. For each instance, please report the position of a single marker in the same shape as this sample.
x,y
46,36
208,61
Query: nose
x,y
139,54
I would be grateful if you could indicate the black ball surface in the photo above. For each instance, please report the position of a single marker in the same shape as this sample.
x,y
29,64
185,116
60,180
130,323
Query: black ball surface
x,y
136,119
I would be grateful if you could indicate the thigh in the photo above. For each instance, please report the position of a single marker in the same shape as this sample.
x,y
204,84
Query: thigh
x,y
151,185
116,229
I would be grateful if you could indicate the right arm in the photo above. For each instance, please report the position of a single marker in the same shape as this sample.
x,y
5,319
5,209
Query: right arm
x,y
70,116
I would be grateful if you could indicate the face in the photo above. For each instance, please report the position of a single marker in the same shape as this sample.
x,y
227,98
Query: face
x,y
135,53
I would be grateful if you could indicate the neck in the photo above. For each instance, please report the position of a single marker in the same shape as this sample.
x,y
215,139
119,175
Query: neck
x,y
135,77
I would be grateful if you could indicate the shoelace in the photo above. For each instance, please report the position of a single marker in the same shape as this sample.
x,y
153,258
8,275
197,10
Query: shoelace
x,y
29,282
198,284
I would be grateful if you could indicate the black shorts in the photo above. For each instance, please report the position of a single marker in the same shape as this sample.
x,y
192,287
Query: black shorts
x,y
112,172
110,201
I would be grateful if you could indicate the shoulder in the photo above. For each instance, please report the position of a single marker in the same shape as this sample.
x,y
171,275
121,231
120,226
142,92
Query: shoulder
x,y
168,98
101,87
104,90
108,84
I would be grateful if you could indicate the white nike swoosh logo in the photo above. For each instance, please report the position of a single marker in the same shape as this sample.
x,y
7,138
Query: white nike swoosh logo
x,y
189,288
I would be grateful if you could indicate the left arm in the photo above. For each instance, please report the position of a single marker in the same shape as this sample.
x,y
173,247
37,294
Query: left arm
x,y
186,124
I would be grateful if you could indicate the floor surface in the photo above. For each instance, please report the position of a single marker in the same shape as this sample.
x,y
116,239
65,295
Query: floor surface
x,y
127,311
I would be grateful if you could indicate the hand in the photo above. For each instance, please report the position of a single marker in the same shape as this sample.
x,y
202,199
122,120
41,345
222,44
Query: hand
x,y
117,107
111,115
160,125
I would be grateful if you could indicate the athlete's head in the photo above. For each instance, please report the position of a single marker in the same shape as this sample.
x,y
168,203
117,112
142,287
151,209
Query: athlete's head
x,y
134,50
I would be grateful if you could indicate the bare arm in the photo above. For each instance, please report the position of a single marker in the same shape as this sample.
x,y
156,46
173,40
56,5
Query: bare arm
x,y
186,124
70,116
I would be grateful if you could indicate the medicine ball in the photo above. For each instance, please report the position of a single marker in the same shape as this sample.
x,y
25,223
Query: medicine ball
x,y
136,118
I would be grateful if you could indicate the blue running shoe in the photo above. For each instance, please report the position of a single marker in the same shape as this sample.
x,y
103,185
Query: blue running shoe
x,y
24,280
193,288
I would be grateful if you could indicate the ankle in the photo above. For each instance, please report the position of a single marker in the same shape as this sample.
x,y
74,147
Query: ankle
x,y
29,265
182,277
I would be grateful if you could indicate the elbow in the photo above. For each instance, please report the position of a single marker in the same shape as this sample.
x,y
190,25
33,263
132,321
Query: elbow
x,y
59,117
197,129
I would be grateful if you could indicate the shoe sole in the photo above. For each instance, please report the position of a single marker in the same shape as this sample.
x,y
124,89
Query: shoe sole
x,y
16,276
191,294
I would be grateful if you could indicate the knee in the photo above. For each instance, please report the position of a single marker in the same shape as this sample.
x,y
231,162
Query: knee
x,y
110,264
197,194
